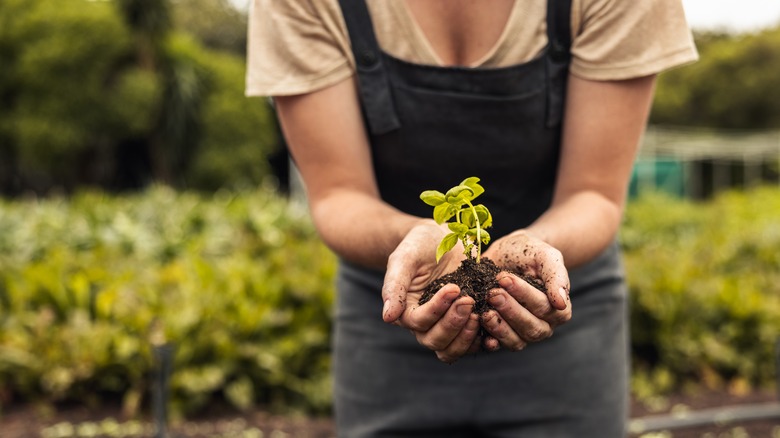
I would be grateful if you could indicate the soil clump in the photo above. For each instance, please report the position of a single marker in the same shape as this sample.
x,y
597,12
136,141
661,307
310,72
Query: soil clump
x,y
476,280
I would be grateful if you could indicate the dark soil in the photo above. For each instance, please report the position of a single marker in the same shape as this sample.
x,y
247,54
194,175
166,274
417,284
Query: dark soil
x,y
29,421
474,279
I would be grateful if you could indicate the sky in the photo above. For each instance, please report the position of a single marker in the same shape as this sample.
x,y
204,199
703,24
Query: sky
x,y
732,15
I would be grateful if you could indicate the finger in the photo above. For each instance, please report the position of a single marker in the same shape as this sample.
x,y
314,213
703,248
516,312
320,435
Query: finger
x,y
534,300
463,342
555,276
422,318
444,330
525,294
398,277
502,331
491,344
517,319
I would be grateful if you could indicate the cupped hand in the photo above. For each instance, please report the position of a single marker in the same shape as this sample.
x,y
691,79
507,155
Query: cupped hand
x,y
445,324
522,313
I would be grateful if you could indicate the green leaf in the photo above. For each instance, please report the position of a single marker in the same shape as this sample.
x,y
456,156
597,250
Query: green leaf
x,y
468,218
457,228
433,197
458,194
485,218
485,237
472,184
449,242
443,212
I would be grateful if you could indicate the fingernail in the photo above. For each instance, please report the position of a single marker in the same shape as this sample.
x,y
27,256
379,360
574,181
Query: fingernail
x,y
505,282
464,309
490,317
386,308
497,299
564,294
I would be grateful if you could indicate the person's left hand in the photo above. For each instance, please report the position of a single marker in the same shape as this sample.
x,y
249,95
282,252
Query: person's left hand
x,y
523,313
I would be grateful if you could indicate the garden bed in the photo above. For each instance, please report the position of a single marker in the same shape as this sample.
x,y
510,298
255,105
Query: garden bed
x,y
35,421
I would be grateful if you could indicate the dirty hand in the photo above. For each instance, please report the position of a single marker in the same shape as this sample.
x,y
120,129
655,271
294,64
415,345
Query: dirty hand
x,y
444,324
524,314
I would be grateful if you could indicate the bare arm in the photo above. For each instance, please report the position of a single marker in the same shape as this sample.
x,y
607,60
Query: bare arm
x,y
603,125
325,133
328,142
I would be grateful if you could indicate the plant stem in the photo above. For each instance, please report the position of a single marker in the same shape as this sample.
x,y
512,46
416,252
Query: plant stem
x,y
479,230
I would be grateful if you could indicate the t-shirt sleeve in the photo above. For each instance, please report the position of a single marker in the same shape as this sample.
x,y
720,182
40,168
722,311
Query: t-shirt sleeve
x,y
622,39
294,47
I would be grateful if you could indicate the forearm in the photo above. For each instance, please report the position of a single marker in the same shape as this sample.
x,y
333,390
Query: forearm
x,y
580,227
603,127
333,155
360,227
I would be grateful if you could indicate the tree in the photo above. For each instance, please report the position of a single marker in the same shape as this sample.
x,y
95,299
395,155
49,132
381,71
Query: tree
x,y
218,24
92,96
60,58
734,84
175,132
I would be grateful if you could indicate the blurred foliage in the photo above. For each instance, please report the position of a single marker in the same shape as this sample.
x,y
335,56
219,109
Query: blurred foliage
x,y
215,23
240,284
237,283
733,85
102,93
121,93
54,113
107,93
705,290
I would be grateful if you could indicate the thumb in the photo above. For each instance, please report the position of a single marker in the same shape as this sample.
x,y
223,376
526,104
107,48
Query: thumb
x,y
398,278
553,274
394,296
557,285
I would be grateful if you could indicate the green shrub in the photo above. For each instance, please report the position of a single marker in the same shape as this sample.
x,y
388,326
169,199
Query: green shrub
x,y
705,290
237,282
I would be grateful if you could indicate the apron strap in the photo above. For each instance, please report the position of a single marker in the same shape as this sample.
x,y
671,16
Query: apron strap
x,y
373,83
559,29
558,57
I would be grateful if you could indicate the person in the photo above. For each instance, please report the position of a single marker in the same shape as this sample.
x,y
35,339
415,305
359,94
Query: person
x,y
545,102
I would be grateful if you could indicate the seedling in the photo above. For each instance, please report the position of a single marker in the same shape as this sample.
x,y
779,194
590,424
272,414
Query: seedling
x,y
470,220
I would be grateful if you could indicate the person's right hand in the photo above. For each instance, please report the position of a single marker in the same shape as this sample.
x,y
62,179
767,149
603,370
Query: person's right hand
x,y
445,324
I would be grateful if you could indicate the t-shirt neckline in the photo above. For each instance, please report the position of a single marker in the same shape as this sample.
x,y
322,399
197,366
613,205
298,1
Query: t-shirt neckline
x,y
416,31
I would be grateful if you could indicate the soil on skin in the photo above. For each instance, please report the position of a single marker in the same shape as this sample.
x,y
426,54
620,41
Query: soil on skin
x,y
475,280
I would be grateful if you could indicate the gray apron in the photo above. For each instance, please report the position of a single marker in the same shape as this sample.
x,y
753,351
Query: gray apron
x,y
430,127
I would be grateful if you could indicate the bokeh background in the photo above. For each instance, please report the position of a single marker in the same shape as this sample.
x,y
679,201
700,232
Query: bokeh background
x,y
158,265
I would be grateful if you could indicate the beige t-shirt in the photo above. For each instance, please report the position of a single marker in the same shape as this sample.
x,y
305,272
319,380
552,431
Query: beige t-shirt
x,y
298,46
